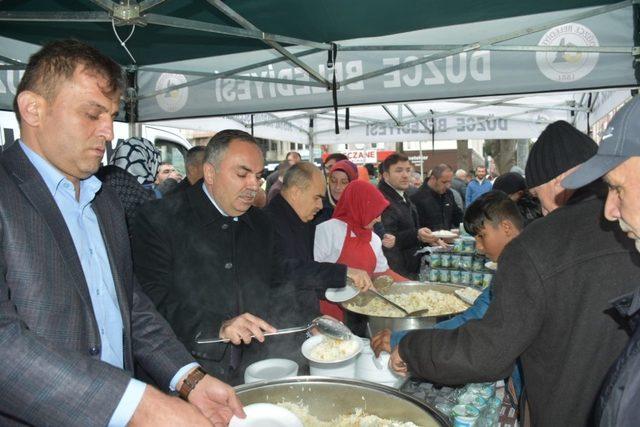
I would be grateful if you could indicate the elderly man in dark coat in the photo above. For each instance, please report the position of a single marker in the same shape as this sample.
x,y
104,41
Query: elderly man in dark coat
x,y
206,258
291,213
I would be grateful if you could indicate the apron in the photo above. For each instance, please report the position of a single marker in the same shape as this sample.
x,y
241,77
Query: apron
x,y
355,254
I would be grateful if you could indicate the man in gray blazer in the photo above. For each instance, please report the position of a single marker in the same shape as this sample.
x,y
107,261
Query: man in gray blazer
x,y
73,320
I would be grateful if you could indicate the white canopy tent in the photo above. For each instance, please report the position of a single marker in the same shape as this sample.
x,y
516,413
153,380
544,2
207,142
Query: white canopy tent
x,y
496,117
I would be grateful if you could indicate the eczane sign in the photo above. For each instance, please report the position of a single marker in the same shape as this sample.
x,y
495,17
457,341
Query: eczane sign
x,y
361,157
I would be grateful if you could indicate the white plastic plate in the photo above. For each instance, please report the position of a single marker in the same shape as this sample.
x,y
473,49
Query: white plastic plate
x,y
266,415
341,294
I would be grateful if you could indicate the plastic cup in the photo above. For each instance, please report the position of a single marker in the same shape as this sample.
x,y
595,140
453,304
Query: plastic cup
x,y
435,259
445,260
455,276
445,277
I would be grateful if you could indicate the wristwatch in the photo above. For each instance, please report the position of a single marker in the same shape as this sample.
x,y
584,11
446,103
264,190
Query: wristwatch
x,y
190,382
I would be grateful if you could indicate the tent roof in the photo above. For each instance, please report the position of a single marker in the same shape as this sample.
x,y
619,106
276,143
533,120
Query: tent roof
x,y
168,33
491,117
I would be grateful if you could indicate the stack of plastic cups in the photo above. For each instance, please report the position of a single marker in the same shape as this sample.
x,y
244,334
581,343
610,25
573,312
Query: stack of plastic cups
x,y
476,406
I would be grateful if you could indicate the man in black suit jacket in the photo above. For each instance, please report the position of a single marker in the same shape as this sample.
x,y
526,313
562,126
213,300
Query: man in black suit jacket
x,y
66,276
400,219
207,259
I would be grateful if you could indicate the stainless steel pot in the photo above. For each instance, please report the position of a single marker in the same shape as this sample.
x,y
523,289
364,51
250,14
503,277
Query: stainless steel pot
x,y
328,398
378,323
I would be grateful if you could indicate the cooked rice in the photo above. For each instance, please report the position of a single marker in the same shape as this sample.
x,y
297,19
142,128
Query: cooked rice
x,y
331,349
438,303
358,419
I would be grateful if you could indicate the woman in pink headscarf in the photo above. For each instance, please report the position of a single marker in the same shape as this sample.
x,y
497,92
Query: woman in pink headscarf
x,y
340,175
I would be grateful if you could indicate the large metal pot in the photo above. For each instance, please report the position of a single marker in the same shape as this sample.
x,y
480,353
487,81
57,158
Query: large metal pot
x,y
328,398
378,323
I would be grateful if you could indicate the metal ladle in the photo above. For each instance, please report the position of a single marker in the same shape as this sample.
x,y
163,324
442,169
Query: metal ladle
x,y
388,301
327,325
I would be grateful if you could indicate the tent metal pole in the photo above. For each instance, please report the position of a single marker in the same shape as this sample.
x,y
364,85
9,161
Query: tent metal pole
x,y
558,107
293,125
218,4
341,117
148,4
422,122
311,134
171,21
481,45
509,48
463,109
214,76
55,16
12,61
385,108
233,71
274,80
297,116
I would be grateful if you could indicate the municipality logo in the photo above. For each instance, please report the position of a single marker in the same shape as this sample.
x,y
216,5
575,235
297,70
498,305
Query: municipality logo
x,y
567,66
173,100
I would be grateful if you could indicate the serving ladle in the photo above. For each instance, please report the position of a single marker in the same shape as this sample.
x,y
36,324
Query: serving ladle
x,y
382,283
326,325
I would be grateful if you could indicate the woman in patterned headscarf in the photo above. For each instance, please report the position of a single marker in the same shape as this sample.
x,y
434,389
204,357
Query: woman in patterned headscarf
x,y
139,157
131,173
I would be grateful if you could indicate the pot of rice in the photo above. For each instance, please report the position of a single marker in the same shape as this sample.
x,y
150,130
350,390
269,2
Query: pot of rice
x,y
333,402
438,298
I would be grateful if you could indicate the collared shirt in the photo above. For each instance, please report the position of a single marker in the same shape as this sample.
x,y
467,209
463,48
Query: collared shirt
x,y
84,228
223,213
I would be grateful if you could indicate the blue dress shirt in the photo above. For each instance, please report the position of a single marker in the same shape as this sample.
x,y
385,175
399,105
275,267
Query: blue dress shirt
x,y
84,228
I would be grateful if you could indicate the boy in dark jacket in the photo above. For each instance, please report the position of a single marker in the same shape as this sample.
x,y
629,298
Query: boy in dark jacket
x,y
494,220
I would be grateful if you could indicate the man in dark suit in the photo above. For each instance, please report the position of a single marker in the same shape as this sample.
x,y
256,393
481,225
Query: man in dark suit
x,y
72,318
206,258
400,219
193,162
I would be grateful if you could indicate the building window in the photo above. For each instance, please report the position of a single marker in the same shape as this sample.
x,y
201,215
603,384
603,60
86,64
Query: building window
x,y
374,145
274,146
299,146
292,146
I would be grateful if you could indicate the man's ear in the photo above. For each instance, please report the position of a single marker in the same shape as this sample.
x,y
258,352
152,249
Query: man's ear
x,y
209,171
31,106
293,192
507,227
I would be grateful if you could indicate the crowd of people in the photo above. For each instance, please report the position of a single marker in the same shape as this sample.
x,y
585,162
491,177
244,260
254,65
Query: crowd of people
x,y
110,278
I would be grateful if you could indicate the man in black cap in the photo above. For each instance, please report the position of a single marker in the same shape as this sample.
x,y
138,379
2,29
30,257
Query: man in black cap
x,y
549,298
618,159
